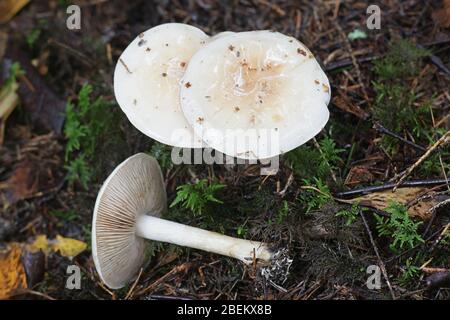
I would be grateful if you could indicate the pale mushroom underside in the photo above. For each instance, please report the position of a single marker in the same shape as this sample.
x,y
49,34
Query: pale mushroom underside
x,y
134,188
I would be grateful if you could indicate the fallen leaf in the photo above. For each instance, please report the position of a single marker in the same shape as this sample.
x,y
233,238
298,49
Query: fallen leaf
x,y
358,174
419,209
40,243
9,8
22,184
442,16
344,103
12,272
68,247
34,264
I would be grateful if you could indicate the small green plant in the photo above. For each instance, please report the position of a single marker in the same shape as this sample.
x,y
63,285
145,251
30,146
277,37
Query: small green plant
x,y
309,163
86,122
79,170
315,195
64,215
409,273
196,197
242,231
14,71
283,212
399,226
162,153
32,37
350,215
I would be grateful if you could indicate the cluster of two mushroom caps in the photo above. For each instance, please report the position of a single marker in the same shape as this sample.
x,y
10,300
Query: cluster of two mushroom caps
x,y
185,89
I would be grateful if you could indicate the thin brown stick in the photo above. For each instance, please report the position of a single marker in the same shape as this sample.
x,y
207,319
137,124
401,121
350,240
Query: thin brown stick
x,y
381,263
441,141
434,270
130,292
181,268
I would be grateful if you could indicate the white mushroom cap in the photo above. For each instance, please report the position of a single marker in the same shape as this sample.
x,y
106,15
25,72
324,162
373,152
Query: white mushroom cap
x,y
134,188
260,80
146,81
220,35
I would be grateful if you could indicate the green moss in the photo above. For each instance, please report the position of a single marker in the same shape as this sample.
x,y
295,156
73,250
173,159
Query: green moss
x,y
162,153
88,127
309,162
402,60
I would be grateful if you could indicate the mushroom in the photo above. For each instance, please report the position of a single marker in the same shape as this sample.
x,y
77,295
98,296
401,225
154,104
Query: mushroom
x,y
146,81
262,86
127,211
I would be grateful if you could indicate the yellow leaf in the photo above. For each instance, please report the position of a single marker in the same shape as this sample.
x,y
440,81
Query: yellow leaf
x,y
68,247
9,8
12,273
41,243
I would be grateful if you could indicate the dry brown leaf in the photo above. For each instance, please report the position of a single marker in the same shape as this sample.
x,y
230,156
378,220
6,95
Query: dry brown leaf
x,y
380,200
12,272
442,16
343,103
9,8
358,174
22,184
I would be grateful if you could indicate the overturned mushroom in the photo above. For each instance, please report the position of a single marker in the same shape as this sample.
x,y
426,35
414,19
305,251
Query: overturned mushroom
x,y
128,210
256,94
146,81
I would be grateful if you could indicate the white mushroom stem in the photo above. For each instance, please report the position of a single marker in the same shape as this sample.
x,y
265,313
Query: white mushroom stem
x,y
158,229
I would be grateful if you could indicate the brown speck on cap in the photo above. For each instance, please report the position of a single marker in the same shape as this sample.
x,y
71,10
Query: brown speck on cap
x,y
141,35
230,47
148,49
208,97
253,119
290,40
238,54
167,44
183,64
316,81
188,85
301,51
164,74
325,88
310,56
135,102
141,42
236,109
200,120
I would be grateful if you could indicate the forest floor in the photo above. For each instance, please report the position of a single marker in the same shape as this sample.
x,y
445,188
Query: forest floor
x,y
389,113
